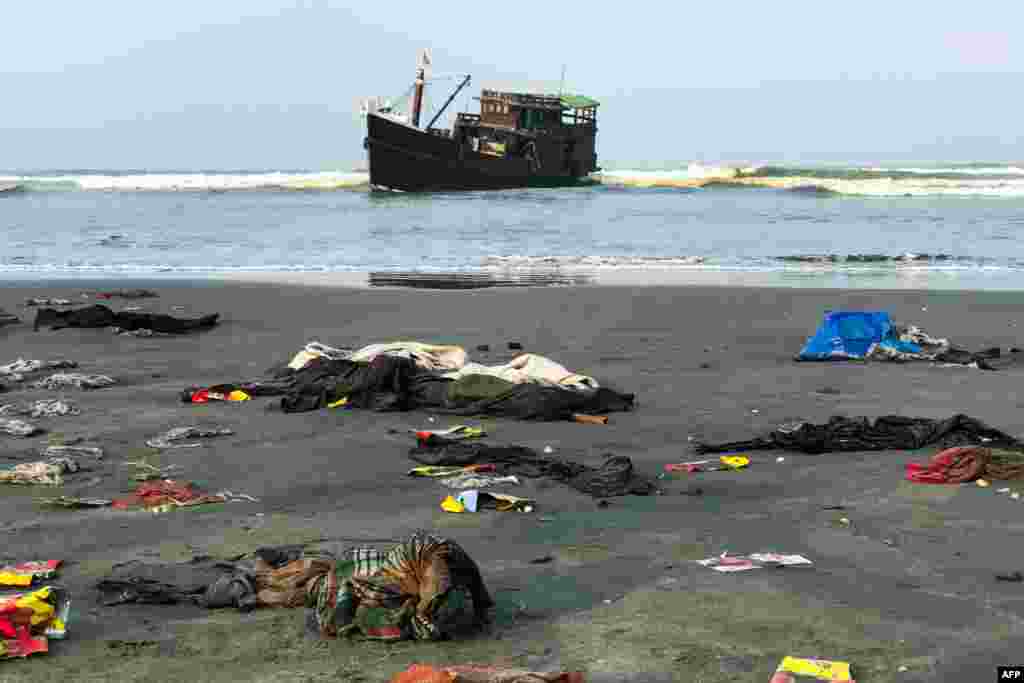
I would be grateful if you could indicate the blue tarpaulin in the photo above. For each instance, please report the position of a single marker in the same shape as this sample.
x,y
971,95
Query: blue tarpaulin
x,y
850,334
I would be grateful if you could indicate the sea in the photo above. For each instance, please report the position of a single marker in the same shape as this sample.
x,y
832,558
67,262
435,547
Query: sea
x,y
946,226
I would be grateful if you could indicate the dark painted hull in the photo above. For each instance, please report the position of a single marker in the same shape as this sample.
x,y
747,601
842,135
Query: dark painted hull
x,y
408,159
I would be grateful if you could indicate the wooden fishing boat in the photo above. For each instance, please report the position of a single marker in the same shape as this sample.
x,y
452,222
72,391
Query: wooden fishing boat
x,y
516,140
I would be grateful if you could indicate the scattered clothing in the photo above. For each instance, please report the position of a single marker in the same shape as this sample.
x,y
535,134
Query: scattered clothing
x,y
45,473
472,673
478,481
968,463
141,332
795,670
890,432
46,408
16,370
225,393
614,478
128,294
63,380
726,462
473,500
528,367
429,357
8,318
160,584
147,472
101,316
315,349
29,620
18,427
426,588
861,335
24,574
47,301
72,451
167,492
74,503
739,563
179,436
450,471
456,433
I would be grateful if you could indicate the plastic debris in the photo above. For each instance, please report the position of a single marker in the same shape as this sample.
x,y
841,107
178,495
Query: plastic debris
x,y
46,612
63,380
725,462
739,563
179,436
472,500
795,669
24,574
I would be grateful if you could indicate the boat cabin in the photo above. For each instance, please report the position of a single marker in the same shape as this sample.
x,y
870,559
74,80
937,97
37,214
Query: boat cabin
x,y
556,132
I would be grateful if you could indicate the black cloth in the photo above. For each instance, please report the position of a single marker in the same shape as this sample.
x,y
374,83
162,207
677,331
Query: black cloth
x,y
394,383
161,584
614,478
888,432
101,316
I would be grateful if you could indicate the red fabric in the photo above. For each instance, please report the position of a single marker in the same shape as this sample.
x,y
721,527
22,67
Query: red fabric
x,y
473,673
201,396
154,493
951,466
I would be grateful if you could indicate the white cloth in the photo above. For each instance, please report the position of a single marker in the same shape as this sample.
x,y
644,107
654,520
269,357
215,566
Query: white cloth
x,y
529,367
426,356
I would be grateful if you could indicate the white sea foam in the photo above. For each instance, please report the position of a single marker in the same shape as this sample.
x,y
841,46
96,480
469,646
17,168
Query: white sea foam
x,y
193,182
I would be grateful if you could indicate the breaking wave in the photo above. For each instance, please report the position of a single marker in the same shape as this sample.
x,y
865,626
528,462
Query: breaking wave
x,y
977,179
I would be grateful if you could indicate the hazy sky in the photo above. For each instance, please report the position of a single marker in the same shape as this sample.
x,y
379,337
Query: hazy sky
x,y
233,84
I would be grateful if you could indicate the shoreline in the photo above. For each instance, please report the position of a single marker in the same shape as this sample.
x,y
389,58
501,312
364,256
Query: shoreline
x,y
802,280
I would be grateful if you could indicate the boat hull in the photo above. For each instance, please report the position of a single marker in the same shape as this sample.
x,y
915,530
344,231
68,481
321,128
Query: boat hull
x,y
411,160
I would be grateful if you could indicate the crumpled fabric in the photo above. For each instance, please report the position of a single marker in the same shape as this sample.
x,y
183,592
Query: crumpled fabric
x,y
178,437
128,294
18,427
889,432
53,407
101,316
8,318
426,588
160,584
154,494
474,673
615,477
79,451
24,574
425,356
315,349
47,473
63,380
27,620
951,466
478,481
46,301
528,367
17,369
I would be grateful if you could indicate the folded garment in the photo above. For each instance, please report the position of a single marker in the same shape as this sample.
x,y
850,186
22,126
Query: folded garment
x,y
101,316
179,437
615,477
63,380
890,432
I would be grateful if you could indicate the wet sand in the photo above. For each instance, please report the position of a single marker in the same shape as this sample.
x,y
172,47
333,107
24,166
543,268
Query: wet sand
x,y
908,583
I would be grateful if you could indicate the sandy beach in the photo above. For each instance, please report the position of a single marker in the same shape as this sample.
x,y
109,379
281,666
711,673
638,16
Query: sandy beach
x,y
905,590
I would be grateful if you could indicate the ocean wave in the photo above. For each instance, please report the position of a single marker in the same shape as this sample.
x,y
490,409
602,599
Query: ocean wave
x,y
588,262
188,182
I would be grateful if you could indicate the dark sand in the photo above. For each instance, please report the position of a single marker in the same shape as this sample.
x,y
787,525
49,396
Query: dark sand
x,y
910,583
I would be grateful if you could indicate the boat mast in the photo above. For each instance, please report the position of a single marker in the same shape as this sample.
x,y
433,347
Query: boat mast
x,y
417,98
445,106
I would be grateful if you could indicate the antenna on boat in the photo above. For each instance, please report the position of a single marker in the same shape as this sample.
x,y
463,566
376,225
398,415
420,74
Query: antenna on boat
x,y
561,84
417,101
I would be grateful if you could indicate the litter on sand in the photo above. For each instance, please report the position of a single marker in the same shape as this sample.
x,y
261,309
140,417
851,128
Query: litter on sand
x,y
167,494
739,563
478,481
968,463
29,620
726,462
63,380
47,301
24,574
218,393
476,673
179,437
8,318
474,500
13,427
456,433
100,316
440,471
798,670
53,407
73,503
75,450
45,473
17,369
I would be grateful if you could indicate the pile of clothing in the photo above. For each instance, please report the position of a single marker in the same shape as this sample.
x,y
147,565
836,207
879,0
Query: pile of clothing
x,y
968,463
424,588
871,335
48,472
409,375
481,673
889,432
101,316
28,620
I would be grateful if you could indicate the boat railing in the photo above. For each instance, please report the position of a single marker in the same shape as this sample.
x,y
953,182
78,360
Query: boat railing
x,y
440,132
470,119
